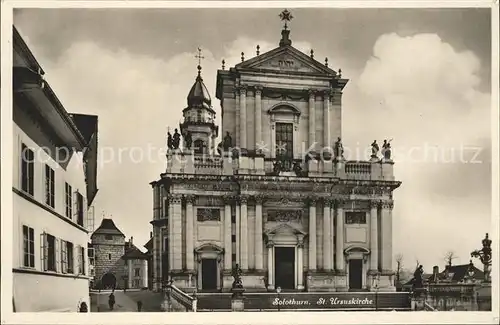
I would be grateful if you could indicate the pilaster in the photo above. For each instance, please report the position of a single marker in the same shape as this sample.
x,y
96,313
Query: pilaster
x,y
258,116
243,233
326,118
176,230
243,116
227,233
270,265
258,233
374,236
386,221
190,232
339,236
312,122
312,234
327,250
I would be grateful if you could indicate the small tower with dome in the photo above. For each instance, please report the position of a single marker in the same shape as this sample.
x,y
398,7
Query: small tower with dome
x,y
198,128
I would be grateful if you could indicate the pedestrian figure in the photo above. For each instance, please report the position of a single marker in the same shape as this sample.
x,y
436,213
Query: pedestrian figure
x,y
111,301
139,305
84,308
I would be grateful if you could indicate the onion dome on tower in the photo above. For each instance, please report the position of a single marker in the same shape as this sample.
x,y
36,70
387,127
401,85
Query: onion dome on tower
x,y
198,128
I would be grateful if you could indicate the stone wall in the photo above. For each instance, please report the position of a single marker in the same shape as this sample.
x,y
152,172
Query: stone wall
x,y
108,255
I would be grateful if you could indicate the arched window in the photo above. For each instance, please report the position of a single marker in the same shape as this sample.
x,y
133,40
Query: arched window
x,y
199,147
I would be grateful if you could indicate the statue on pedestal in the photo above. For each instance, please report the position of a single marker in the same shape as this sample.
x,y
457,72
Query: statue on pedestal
x,y
375,149
236,273
170,143
189,140
386,149
176,139
484,256
228,142
339,149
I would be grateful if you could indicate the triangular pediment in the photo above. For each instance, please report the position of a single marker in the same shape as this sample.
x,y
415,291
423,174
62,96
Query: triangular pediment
x,y
286,59
283,228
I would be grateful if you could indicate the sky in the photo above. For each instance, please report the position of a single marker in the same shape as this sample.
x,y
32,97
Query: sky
x,y
418,76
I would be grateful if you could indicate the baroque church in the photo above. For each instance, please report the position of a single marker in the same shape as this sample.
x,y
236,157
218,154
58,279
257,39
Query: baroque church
x,y
271,198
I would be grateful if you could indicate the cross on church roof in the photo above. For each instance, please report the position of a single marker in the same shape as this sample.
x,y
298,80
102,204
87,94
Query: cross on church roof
x,y
286,16
199,57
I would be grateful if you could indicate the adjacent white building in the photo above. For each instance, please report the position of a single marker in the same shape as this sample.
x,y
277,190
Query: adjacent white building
x,y
54,184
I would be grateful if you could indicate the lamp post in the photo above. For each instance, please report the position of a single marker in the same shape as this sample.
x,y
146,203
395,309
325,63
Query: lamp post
x,y
278,291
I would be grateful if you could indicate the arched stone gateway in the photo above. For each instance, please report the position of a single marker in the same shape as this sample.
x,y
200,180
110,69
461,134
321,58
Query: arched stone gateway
x,y
108,281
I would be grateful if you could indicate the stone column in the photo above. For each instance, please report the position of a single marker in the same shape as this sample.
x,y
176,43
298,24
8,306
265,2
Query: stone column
x,y
144,273
258,116
238,117
326,118
258,234
270,265
386,220
243,233
130,274
339,242
176,243
327,250
312,122
238,233
227,234
374,236
312,235
243,117
190,233
300,264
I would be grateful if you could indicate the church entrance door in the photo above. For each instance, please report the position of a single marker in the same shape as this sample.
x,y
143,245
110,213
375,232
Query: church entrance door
x,y
209,274
284,267
355,274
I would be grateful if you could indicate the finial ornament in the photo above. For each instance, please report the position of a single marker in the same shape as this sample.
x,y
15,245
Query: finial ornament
x,y
286,16
199,57
242,56
340,73
223,64
312,54
326,62
258,49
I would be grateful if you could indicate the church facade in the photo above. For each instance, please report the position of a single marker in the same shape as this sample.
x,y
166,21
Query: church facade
x,y
277,197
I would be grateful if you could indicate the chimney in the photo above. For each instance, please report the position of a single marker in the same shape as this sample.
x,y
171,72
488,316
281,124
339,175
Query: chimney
x,y
150,234
131,240
435,273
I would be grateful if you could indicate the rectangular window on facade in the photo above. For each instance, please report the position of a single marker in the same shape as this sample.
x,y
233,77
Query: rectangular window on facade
x,y
355,217
67,262
81,260
109,256
27,169
108,237
284,139
137,272
49,186
233,238
207,214
28,247
51,253
69,200
79,208
91,255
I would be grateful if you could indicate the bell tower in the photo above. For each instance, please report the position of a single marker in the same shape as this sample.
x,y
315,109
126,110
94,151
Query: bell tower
x,y
198,128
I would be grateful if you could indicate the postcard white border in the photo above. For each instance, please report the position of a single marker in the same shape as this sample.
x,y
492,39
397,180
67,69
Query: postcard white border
x,y
8,317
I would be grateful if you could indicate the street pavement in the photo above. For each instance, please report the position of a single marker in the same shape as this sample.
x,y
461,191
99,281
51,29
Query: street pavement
x,y
123,303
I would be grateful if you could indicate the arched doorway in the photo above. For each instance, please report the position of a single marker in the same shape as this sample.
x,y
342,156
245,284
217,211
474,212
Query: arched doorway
x,y
108,281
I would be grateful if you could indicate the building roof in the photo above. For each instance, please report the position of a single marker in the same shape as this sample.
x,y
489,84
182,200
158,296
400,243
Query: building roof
x,y
108,227
149,245
132,252
457,273
198,95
